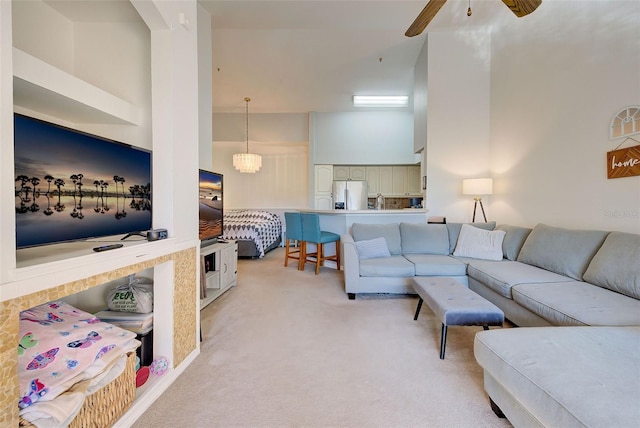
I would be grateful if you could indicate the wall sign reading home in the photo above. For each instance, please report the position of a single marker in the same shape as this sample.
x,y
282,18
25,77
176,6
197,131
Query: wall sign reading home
x,y
623,162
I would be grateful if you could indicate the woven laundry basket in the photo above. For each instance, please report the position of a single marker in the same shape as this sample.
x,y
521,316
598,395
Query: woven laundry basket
x,y
105,406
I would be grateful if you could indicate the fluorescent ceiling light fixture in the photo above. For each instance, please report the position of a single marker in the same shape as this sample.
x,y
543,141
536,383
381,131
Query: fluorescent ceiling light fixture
x,y
380,101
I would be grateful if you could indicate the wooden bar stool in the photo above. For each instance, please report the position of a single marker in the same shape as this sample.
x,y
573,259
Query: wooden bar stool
x,y
311,233
293,232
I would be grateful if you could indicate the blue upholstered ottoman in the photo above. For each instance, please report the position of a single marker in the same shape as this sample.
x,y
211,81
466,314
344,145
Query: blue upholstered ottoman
x,y
455,304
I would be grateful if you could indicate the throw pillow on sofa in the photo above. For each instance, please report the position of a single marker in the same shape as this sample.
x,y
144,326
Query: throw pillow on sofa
x,y
454,231
479,244
372,248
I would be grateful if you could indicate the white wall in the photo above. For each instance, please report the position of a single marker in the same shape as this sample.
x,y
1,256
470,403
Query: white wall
x,y
458,76
376,137
263,127
555,85
282,141
280,183
49,35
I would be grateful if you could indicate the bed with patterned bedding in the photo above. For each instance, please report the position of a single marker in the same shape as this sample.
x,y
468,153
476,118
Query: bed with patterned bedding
x,y
257,232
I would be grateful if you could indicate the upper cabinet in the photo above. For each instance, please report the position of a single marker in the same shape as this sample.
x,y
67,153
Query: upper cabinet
x,y
406,180
387,180
343,172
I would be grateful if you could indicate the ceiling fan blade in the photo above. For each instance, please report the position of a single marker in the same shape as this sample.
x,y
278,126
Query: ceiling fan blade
x,y
522,7
425,17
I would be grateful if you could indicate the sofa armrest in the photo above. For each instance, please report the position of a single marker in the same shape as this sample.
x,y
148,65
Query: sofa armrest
x,y
351,263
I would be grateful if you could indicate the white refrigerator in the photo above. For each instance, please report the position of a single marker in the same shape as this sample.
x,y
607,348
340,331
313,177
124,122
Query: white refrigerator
x,y
349,195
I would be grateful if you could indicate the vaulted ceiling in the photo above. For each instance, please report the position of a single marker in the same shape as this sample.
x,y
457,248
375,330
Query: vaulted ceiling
x,y
297,56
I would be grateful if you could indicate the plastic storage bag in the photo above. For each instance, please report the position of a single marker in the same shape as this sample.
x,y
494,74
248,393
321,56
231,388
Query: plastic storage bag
x,y
131,297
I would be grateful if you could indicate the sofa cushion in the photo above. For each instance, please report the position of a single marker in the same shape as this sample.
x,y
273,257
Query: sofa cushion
x,y
394,266
577,303
564,251
454,231
436,265
616,265
566,377
501,276
513,240
479,244
390,232
372,248
424,238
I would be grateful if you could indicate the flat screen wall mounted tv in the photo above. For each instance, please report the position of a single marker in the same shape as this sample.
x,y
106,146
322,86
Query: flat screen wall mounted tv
x,y
72,186
210,206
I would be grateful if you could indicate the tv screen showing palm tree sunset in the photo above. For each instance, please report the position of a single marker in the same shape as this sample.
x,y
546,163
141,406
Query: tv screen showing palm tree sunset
x,y
70,185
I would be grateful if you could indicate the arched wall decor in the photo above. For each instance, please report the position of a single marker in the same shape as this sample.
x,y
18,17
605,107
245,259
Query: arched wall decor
x,y
625,123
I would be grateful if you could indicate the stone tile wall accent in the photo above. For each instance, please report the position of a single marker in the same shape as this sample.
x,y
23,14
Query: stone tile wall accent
x,y
184,309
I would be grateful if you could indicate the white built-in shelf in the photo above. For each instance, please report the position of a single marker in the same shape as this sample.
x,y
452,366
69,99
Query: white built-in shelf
x,y
41,87
220,263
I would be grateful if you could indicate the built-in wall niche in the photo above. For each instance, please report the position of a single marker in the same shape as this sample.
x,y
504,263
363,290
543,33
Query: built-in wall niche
x,y
175,333
94,299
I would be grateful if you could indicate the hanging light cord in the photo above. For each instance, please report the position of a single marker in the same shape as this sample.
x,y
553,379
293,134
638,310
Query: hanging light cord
x,y
246,100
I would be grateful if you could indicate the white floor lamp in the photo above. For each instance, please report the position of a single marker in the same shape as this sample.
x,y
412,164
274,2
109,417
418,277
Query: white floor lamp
x,y
477,187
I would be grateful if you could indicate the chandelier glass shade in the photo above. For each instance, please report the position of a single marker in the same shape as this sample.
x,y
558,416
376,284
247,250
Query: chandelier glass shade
x,y
247,162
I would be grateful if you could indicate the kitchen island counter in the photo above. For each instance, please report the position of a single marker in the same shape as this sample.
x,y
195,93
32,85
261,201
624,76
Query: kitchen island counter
x,y
340,221
403,211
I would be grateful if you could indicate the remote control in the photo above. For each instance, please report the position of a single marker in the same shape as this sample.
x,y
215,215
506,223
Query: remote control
x,y
107,247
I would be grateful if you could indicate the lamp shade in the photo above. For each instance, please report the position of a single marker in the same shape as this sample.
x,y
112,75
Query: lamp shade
x,y
247,162
477,186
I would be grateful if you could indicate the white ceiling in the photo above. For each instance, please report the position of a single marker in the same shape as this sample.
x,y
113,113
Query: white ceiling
x,y
298,56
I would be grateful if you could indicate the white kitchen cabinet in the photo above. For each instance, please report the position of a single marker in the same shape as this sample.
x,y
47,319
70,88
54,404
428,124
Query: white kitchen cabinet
x,y
414,186
406,180
347,172
380,180
323,186
373,180
386,180
323,179
340,172
399,180
357,173
323,202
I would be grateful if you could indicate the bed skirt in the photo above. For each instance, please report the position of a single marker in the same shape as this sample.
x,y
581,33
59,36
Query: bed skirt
x,y
248,249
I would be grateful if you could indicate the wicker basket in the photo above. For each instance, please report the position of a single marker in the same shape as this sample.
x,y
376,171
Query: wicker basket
x,y
105,406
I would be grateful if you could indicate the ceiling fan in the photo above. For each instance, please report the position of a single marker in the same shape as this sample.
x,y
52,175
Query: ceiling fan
x,y
519,7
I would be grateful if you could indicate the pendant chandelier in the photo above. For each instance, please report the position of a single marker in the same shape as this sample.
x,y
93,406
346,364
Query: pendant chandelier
x,y
247,162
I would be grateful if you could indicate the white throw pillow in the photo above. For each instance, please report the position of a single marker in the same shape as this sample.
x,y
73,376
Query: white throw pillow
x,y
373,248
479,244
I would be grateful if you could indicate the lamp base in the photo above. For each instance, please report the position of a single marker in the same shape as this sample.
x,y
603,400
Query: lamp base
x,y
475,205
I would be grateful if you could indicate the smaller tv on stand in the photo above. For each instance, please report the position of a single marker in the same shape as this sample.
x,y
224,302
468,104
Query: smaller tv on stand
x,y
211,211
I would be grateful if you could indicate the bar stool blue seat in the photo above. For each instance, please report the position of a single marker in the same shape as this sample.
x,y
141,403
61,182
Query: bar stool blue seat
x,y
293,232
311,233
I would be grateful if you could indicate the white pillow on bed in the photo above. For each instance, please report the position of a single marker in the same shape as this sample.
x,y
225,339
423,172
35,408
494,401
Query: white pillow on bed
x,y
372,248
479,243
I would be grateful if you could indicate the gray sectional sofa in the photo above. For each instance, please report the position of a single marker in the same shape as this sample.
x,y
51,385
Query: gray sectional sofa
x,y
577,291
547,275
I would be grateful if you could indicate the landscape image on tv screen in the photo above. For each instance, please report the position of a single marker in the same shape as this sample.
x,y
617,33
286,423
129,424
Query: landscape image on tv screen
x,y
210,206
71,186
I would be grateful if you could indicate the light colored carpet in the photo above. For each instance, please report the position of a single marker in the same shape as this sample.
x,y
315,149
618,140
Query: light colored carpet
x,y
286,348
